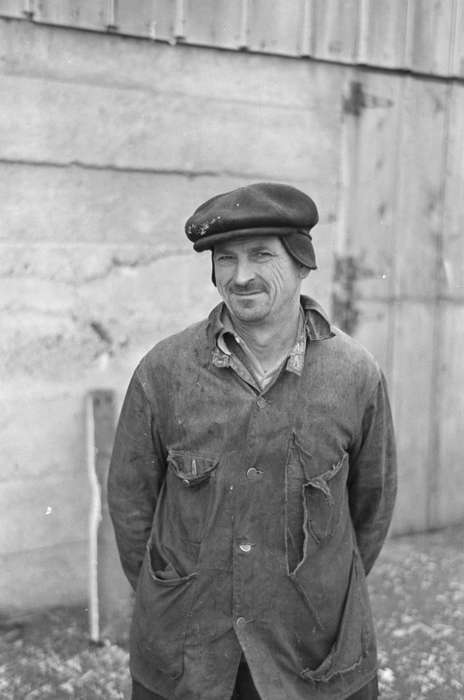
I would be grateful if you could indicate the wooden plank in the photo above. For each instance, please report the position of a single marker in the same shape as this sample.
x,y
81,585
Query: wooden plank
x,y
431,30
336,29
84,14
447,504
413,403
396,34
453,219
275,27
420,188
370,126
457,46
110,599
214,23
145,18
385,33
364,276
15,8
418,243
373,331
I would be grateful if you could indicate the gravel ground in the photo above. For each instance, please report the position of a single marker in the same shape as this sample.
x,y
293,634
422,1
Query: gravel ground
x,y
417,590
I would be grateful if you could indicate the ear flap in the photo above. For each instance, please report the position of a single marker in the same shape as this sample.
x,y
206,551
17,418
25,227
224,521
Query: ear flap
x,y
300,247
213,276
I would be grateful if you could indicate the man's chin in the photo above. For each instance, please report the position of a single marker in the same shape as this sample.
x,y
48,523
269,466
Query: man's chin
x,y
248,313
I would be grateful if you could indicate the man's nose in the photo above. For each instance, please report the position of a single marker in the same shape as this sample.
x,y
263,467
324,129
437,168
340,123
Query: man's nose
x,y
244,272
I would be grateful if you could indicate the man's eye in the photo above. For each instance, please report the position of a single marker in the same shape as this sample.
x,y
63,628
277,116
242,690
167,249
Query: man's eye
x,y
263,255
224,258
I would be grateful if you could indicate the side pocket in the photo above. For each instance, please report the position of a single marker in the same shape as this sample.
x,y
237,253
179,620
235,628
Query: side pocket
x,y
354,633
161,614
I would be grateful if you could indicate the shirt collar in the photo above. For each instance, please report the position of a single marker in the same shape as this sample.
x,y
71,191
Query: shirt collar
x,y
313,326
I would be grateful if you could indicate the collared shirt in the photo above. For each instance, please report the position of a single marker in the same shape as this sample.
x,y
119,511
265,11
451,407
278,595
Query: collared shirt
x,y
314,325
246,363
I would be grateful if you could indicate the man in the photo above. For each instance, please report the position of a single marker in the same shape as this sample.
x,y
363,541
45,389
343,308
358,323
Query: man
x,y
253,478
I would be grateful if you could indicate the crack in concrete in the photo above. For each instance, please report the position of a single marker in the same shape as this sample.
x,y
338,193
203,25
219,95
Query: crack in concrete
x,y
118,263
15,308
108,267
112,167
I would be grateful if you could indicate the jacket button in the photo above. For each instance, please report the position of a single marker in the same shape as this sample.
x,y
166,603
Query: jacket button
x,y
240,622
253,474
245,547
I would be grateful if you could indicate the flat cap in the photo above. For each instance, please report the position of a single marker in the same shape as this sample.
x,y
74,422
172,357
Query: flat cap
x,y
261,208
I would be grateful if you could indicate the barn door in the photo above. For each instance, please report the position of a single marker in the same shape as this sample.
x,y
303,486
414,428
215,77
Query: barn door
x,y
388,287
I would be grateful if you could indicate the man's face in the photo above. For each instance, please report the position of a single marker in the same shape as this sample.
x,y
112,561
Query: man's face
x,y
256,277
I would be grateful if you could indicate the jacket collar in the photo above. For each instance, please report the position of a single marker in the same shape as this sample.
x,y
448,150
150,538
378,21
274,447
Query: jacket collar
x,y
318,326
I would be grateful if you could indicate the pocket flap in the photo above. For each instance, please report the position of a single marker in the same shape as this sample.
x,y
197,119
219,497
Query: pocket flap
x,y
191,469
333,471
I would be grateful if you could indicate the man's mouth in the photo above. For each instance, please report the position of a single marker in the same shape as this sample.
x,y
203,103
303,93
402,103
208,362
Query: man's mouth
x,y
246,292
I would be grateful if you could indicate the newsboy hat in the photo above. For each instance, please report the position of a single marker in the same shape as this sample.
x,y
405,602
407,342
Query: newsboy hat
x,y
263,208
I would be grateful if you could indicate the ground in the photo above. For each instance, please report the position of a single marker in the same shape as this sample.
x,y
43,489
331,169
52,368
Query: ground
x,y
417,592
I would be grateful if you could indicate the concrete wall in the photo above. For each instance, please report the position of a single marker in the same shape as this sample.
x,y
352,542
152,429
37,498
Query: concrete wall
x,y
106,146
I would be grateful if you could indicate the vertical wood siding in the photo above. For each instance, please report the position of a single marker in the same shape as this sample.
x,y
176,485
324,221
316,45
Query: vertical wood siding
x,y
402,231
416,35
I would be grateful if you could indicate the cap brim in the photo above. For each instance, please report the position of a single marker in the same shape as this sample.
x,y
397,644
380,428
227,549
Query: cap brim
x,y
208,242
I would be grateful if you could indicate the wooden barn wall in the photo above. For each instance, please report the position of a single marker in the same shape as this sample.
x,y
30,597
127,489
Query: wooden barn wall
x,y
106,146
400,253
415,35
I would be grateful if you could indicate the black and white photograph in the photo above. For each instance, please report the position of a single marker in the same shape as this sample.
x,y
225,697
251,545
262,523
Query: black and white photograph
x,y
232,349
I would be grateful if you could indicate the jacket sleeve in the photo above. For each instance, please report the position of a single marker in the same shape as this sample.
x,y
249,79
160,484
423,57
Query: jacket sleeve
x,y
134,479
373,480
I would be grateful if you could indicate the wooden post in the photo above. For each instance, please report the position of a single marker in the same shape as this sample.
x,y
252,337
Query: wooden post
x,y
110,599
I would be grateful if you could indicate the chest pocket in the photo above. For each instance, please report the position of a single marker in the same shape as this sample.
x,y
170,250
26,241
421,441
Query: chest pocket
x,y
324,495
190,491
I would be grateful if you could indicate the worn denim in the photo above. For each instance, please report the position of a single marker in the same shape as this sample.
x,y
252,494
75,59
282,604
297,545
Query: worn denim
x,y
247,520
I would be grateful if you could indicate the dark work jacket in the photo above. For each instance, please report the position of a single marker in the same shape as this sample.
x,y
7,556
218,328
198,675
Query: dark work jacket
x,y
247,521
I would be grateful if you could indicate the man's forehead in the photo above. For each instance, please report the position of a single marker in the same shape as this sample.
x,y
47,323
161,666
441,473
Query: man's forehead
x,y
248,243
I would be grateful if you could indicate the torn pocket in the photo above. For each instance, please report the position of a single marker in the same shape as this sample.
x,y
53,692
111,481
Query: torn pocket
x,y
325,496
314,502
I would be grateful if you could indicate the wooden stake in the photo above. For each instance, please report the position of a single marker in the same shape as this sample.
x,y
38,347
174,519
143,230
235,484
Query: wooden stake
x,y
110,598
